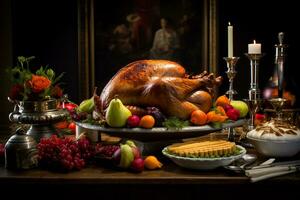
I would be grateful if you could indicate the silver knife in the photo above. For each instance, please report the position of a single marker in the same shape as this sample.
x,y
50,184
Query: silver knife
x,y
293,162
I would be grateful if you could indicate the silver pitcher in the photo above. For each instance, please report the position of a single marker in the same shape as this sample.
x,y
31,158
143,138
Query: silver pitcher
x,y
21,151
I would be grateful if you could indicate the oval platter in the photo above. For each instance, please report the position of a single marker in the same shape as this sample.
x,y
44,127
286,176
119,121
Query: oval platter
x,y
159,133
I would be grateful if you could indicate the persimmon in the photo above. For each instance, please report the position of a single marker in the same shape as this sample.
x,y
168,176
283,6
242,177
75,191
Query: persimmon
x,y
212,116
222,101
221,110
62,124
151,162
147,121
198,117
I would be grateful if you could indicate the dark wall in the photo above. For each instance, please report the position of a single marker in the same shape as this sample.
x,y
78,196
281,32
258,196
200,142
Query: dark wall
x,y
5,60
260,20
48,30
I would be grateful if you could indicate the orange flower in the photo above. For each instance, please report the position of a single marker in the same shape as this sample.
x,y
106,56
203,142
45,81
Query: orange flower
x,y
39,83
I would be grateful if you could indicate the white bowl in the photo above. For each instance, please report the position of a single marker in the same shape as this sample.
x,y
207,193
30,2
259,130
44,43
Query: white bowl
x,y
203,163
276,148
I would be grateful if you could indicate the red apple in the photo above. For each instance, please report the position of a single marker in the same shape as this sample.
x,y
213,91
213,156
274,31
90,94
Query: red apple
x,y
137,165
133,121
227,107
233,114
69,106
259,116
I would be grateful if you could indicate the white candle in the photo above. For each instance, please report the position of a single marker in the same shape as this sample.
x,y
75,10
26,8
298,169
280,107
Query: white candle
x,y
254,48
230,40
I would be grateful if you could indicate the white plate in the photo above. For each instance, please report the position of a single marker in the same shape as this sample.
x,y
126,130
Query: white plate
x,y
159,133
203,163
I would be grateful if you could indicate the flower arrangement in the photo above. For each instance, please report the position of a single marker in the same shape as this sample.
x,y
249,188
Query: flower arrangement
x,y
29,86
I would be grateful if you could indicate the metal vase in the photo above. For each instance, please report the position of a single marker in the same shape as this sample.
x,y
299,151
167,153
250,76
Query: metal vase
x,y
40,114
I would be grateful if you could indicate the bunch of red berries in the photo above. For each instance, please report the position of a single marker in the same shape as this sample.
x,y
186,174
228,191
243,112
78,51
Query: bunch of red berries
x,y
64,153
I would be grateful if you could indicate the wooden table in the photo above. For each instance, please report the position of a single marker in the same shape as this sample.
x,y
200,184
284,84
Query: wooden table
x,y
169,182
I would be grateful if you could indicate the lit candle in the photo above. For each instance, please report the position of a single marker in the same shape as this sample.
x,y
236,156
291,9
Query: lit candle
x,y
230,40
254,48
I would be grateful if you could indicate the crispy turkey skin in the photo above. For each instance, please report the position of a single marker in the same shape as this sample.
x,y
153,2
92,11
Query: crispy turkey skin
x,y
163,84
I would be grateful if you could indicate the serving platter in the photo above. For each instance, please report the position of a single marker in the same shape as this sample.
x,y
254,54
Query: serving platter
x,y
159,133
203,163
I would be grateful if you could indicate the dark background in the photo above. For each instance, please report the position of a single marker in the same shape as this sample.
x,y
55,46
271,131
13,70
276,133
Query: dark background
x,y
48,30
262,21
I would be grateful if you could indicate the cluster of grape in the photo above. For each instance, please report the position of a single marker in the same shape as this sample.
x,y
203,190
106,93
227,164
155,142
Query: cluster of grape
x,y
64,153
157,114
106,151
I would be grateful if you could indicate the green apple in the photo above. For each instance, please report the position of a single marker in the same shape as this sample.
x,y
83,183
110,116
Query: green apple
x,y
241,106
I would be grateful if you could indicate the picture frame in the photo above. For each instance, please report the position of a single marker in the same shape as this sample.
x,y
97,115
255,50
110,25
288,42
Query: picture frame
x,y
98,23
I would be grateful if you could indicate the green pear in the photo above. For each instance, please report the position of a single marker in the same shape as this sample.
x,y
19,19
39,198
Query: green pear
x,y
127,156
87,105
130,143
116,113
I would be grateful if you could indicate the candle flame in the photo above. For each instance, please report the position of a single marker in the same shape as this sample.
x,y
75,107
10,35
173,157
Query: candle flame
x,y
229,24
254,42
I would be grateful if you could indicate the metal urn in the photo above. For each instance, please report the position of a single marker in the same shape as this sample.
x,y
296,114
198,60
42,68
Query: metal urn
x,y
41,115
21,151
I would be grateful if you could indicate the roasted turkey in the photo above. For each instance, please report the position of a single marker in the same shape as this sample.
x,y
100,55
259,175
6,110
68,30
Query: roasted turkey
x,y
162,84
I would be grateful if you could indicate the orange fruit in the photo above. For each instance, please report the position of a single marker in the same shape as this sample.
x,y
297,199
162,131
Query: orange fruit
x,y
212,116
147,121
220,109
198,117
151,162
62,124
222,100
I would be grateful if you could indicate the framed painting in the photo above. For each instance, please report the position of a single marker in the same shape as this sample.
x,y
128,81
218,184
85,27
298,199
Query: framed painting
x,y
113,34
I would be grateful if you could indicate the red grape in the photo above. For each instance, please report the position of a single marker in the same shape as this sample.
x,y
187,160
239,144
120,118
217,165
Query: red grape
x,y
64,153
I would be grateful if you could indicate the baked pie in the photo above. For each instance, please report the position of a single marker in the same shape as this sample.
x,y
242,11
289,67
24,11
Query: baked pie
x,y
274,130
205,149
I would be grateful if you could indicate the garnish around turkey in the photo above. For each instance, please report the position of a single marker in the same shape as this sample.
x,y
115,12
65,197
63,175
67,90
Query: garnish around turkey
x,y
159,93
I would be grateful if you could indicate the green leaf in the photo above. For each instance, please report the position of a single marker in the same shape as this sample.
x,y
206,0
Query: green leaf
x,y
50,74
175,123
216,125
41,72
